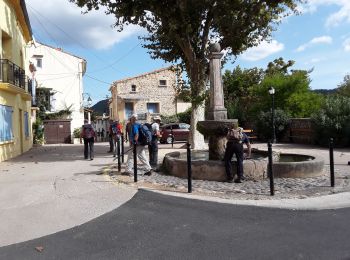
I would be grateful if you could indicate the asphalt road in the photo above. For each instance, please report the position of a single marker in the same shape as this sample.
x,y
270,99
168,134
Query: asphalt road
x,y
156,226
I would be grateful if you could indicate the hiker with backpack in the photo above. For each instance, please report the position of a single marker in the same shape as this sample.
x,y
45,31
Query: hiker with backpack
x,y
116,130
138,136
153,146
89,136
235,140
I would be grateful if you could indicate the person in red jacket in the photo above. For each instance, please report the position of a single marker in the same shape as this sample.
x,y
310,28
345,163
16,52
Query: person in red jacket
x,y
89,135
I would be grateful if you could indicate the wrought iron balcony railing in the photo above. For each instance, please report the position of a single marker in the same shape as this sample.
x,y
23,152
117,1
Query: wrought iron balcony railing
x,y
13,74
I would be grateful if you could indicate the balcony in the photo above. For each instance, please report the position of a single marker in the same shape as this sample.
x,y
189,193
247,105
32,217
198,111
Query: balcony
x,y
12,74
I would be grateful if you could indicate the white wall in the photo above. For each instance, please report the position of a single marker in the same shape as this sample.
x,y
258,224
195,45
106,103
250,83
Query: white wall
x,y
63,73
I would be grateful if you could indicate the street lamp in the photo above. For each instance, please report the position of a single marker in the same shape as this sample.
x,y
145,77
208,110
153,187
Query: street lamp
x,y
272,94
87,101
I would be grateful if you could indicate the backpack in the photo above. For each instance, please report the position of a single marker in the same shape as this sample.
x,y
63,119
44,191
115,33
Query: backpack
x,y
145,135
88,131
235,135
115,129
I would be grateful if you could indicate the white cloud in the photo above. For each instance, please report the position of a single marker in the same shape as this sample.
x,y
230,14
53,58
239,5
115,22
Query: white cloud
x,y
263,50
346,44
64,24
317,40
335,19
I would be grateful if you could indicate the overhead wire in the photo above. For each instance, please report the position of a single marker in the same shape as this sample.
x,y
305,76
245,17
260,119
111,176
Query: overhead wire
x,y
82,46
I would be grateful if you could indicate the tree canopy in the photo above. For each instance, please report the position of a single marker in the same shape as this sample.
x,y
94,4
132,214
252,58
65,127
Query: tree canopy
x,y
181,31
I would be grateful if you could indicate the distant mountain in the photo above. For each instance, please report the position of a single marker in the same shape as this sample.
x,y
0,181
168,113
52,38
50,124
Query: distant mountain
x,y
101,107
325,91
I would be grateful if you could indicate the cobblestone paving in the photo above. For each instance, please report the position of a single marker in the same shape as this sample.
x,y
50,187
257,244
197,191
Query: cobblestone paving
x,y
284,187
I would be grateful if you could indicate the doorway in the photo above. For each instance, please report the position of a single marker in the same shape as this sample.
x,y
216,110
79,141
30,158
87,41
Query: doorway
x,y
129,109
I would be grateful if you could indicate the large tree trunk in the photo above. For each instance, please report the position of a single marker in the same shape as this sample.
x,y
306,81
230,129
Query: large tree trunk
x,y
196,138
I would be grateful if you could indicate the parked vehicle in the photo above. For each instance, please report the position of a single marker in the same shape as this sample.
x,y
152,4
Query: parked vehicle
x,y
180,132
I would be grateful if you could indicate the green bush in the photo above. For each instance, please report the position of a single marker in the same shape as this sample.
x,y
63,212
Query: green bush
x,y
38,132
264,124
333,121
76,132
183,117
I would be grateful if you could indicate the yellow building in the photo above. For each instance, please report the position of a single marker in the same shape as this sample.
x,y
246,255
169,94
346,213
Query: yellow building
x,y
15,100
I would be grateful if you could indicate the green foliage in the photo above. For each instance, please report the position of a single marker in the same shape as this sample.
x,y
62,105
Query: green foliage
x,y
279,66
292,94
169,119
184,117
238,91
38,132
344,87
264,124
62,114
76,132
333,120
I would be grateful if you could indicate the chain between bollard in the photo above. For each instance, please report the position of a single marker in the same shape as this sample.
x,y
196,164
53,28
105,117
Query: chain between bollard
x,y
135,162
331,161
270,169
189,168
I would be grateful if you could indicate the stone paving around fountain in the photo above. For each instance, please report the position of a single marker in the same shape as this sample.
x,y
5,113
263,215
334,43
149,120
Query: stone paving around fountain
x,y
257,190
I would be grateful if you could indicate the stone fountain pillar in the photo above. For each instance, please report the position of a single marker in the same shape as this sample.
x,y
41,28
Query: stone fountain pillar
x,y
217,110
217,124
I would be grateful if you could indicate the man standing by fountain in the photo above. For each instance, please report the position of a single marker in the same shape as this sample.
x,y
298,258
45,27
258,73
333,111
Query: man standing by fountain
x,y
235,140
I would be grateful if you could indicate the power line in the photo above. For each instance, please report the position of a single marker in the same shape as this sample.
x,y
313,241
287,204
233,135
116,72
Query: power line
x,y
82,46
98,80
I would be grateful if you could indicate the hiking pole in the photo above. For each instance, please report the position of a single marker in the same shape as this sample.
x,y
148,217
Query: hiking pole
x,y
122,147
331,161
270,173
118,154
135,162
189,168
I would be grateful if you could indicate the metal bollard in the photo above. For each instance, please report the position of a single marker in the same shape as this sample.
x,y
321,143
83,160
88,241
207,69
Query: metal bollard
x,y
270,173
135,162
331,161
118,154
189,168
122,148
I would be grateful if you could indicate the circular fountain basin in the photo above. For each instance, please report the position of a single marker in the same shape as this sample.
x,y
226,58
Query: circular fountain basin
x,y
284,166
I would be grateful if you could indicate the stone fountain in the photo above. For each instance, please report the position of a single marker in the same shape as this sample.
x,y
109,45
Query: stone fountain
x,y
208,165
215,127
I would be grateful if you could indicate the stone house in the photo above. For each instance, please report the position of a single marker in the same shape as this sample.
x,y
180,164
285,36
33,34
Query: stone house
x,y
15,99
147,95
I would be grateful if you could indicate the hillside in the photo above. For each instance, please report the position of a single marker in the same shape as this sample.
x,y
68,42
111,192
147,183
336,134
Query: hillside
x,y
101,107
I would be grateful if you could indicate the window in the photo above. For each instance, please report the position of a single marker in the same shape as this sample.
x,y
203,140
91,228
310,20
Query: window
x,y
6,133
133,88
39,63
153,108
26,124
162,83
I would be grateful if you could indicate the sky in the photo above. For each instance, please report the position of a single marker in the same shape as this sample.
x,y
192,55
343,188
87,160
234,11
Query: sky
x,y
317,39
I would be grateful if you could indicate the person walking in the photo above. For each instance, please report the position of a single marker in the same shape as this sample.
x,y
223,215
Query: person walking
x,y
235,140
110,137
89,135
140,149
153,147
